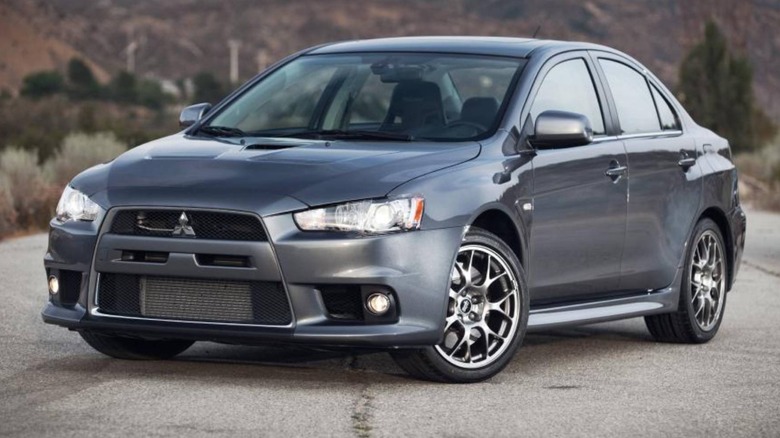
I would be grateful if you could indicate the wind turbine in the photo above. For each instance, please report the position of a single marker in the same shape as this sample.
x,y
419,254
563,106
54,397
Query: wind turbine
x,y
234,46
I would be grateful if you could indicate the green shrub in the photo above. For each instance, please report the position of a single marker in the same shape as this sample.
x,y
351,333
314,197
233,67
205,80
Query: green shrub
x,y
716,87
124,88
39,124
151,94
81,81
81,151
43,83
207,88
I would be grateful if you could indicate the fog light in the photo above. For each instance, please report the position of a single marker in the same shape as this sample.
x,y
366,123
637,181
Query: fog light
x,y
378,303
54,285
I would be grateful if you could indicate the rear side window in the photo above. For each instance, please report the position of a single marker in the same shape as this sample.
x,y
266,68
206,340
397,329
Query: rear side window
x,y
669,120
569,87
635,107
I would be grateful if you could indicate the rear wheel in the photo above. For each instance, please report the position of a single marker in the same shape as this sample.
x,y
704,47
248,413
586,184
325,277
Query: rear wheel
x,y
703,291
132,348
487,314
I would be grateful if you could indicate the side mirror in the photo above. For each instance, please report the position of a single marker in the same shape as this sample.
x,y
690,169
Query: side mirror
x,y
561,129
193,113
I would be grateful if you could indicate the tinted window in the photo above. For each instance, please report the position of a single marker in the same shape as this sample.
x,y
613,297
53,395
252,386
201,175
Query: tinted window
x,y
569,87
669,121
635,107
290,105
371,103
400,93
480,82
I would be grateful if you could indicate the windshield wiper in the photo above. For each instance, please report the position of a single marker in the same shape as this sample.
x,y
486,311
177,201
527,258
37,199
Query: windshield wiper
x,y
222,131
349,134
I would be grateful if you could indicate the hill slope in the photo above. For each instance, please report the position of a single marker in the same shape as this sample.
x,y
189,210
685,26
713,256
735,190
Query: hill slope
x,y
178,38
24,48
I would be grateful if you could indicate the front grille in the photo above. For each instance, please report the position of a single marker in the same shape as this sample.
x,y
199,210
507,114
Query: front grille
x,y
204,224
193,299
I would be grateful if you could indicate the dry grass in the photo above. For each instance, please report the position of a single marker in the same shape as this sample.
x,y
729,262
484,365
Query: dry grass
x,y
7,211
80,151
760,177
29,192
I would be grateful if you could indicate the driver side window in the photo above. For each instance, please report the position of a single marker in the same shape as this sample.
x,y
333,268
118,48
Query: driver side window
x,y
569,87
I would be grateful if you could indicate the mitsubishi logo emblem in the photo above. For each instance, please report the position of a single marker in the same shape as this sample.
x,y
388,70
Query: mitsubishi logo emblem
x,y
183,228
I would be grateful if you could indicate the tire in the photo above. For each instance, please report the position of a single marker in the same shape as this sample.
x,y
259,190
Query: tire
x,y
486,315
133,348
702,293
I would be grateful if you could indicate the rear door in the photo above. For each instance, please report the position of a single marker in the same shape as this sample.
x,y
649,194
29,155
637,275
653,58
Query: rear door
x,y
664,185
579,212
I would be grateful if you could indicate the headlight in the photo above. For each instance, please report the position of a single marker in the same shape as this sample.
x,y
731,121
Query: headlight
x,y
375,216
76,206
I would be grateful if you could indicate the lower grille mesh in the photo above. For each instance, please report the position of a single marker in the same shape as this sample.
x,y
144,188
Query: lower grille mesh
x,y
250,302
343,302
70,286
203,299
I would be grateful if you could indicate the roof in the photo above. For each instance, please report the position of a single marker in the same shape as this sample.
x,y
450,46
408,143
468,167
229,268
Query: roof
x,y
501,46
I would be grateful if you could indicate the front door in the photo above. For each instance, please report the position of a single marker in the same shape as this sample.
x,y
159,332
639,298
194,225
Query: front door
x,y
579,217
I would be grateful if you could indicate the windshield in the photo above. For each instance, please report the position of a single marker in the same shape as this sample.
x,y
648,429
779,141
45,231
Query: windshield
x,y
381,96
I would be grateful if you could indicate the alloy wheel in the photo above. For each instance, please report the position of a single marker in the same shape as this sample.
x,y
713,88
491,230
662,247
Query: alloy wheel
x,y
483,309
707,281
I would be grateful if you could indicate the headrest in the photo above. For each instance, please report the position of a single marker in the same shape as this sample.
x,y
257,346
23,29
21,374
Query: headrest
x,y
480,110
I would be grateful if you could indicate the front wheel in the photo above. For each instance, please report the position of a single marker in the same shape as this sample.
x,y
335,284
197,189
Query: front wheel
x,y
702,293
486,318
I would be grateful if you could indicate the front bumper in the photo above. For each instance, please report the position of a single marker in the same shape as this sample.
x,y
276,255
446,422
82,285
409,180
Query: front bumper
x,y
415,266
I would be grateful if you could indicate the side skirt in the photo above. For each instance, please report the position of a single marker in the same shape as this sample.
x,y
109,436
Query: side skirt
x,y
648,303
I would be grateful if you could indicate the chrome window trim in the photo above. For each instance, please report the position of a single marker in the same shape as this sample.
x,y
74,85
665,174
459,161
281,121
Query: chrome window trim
x,y
670,133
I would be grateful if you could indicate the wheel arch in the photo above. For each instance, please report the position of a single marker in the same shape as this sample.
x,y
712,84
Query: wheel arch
x,y
721,220
498,221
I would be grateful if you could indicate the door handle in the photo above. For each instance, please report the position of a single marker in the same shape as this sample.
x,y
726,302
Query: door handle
x,y
686,163
615,170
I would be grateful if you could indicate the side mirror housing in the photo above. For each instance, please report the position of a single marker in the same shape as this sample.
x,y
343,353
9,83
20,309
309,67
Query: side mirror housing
x,y
193,113
561,129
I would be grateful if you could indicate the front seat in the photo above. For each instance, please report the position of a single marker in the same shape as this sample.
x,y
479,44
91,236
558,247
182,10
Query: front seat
x,y
481,111
414,105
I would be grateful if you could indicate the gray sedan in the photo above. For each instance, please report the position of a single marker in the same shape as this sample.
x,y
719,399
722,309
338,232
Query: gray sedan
x,y
435,197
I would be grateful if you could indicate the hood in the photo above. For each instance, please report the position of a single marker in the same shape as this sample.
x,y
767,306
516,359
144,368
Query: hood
x,y
266,175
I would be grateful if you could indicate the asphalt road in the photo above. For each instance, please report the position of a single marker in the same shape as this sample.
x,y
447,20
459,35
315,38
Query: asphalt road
x,y
599,380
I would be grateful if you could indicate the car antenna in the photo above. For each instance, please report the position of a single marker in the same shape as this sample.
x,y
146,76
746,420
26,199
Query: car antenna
x,y
536,32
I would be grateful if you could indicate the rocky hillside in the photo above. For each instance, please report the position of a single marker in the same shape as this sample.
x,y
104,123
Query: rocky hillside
x,y
26,45
178,38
